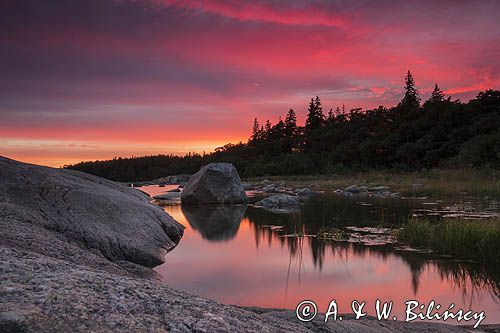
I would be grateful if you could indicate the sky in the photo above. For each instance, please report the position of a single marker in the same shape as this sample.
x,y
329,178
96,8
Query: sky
x,y
95,79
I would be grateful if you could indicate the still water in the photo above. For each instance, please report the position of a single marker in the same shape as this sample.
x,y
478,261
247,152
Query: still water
x,y
232,255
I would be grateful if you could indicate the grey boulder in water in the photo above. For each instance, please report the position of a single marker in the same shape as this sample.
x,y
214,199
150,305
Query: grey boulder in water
x,y
214,184
280,201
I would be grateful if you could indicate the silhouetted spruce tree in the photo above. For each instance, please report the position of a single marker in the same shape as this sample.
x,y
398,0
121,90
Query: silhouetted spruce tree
x,y
279,130
315,117
315,120
319,108
437,95
410,98
290,130
331,116
291,123
267,129
255,131
276,131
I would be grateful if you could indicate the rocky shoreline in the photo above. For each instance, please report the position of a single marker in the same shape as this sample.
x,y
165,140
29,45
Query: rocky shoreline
x,y
76,254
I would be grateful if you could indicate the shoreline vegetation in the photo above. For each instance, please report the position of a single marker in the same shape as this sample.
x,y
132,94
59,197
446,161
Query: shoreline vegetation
x,y
406,138
460,238
435,182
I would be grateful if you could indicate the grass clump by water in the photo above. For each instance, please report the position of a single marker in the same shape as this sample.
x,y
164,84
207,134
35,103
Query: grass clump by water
x,y
435,182
463,239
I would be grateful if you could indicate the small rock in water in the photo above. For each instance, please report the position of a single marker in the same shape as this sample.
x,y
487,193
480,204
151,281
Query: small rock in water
x,y
417,186
248,187
378,188
370,230
168,196
266,182
269,189
353,189
272,227
305,192
279,201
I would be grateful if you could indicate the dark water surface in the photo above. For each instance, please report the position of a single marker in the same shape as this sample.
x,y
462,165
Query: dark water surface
x,y
231,255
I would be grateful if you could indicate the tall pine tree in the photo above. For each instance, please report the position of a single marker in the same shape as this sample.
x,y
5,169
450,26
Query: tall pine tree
x,y
315,117
267,128
291,123
255,131
315,120
290,130
410,99
437,95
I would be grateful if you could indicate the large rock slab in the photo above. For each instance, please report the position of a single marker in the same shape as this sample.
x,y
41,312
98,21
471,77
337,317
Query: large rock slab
x,y
98,214
214,184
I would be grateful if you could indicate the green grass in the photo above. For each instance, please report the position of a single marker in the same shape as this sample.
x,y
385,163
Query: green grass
x,y
436,182
463,239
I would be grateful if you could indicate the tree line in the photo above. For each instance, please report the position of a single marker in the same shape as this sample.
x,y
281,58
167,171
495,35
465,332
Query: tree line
x,y
439,133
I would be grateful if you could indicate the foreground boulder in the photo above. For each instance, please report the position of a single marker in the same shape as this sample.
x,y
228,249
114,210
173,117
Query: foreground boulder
x,y
214,184
101,215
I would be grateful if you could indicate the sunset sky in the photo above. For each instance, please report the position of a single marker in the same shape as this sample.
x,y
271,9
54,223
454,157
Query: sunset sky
x,y
94,79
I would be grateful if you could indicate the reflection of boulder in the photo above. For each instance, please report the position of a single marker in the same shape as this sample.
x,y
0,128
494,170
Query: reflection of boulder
x,y
215,223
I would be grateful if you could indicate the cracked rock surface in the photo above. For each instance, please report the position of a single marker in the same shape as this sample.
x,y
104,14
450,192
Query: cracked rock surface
x,y
103,216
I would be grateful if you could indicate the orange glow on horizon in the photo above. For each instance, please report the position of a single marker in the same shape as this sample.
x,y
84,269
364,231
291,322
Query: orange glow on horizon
x,y
59,153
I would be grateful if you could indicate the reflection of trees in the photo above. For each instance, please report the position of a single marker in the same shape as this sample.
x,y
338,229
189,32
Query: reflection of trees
x,y
469,277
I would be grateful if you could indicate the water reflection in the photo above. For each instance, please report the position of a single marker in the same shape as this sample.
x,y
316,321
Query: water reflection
x,y
467,276
215,223
232,255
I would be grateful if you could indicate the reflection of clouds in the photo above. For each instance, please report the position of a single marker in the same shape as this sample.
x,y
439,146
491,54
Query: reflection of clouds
x,y
469,278
238,272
